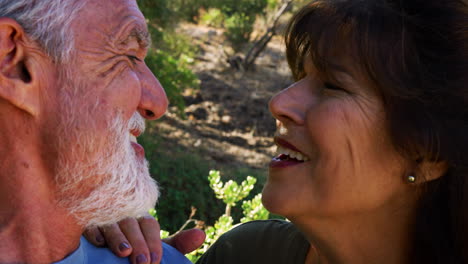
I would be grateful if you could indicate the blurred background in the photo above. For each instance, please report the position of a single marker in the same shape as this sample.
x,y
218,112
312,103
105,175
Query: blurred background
x,y
220,61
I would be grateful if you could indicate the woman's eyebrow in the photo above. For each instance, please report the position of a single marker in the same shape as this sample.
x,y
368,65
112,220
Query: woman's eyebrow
x,y
339,68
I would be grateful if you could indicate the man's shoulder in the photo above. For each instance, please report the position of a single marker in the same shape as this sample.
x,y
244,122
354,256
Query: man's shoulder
x,y
95,254
172,256
90,254
105,256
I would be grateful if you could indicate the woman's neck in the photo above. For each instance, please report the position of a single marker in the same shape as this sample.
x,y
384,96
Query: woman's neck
x,y
372,238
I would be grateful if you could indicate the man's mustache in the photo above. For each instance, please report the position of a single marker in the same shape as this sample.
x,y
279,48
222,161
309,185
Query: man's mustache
x,y
137,123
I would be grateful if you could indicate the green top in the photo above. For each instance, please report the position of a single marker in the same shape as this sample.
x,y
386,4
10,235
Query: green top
x,y
257,242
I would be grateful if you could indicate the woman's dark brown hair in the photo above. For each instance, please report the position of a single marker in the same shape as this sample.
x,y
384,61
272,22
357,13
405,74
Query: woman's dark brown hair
x,y
414,53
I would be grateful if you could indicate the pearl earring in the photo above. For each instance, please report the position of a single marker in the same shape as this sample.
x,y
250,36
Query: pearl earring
x,y
411,179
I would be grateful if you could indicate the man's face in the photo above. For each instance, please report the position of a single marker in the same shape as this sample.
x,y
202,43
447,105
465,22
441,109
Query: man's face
x,y
104,92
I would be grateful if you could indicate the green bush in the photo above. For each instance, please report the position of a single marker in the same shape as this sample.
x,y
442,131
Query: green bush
x,y
230,193
181,174
212,17
182,181
172,54
240,18
239,26
237,16
157,12
173,75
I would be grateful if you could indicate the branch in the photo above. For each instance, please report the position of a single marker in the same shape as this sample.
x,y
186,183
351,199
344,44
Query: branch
x,y
261,44
189,220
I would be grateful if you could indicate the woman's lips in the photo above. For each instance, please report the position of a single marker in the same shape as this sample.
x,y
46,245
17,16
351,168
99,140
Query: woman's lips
x,y
289,155
283,161
283,143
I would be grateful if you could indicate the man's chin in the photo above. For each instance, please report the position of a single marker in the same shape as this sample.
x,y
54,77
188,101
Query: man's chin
x,y
119,207
103,180
129,194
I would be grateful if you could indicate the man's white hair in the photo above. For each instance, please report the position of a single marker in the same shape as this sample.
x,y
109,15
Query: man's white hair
x,y
47,22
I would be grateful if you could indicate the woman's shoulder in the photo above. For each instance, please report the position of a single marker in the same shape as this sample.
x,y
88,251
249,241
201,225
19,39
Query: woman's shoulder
x,y
262,229
266,241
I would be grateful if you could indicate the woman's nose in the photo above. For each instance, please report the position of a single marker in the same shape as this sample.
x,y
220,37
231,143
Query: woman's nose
x,y
290,105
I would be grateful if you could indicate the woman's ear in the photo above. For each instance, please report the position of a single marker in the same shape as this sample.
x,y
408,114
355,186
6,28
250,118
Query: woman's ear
x,y
428,170
16,85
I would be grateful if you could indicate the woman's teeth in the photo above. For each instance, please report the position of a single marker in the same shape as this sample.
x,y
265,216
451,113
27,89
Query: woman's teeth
x,y
133,138
292,154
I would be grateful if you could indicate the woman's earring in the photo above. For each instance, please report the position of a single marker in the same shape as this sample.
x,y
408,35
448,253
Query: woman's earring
x,y
411,179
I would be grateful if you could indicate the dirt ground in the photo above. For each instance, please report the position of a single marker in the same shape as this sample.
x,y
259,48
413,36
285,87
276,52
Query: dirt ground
x,y
228,119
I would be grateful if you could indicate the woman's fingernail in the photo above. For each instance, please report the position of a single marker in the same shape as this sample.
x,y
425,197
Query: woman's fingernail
x,y
141,259
124,246
154,257
99,239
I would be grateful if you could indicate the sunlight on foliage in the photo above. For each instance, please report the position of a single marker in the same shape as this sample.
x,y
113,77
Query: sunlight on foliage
x,y
254,210
230,193
212,17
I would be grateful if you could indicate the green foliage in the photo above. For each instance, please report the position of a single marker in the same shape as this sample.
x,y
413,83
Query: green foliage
x,y
230,192
238,29
221,226
231,7
181,174
182,180
236,16
153,213
240,18
273,4
254,210
213,17
157,11
172,54
179,46
224,224
173,76
188,9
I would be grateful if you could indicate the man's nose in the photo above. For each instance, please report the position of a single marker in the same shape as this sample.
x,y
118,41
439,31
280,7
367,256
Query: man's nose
x,y
153,102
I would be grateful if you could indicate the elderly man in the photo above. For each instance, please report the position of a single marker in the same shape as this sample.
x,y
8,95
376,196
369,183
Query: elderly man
x,y
74,93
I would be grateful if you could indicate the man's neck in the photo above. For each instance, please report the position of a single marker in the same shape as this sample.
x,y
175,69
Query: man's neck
x,y
33,229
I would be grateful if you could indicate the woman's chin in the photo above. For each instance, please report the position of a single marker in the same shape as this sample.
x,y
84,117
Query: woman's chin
x,y
272,200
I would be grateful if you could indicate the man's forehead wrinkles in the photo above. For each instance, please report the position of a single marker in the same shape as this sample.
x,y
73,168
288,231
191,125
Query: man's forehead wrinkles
x,y
96,52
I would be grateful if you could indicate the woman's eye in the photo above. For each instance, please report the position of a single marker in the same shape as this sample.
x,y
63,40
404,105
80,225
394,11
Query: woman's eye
x,y
331,86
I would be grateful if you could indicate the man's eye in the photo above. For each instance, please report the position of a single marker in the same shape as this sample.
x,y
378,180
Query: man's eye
x,y
134,59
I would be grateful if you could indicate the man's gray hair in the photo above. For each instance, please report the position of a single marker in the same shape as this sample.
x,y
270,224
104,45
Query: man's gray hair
x,y
47,22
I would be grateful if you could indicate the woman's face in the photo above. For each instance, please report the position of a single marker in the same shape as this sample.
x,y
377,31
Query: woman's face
x,y
349,164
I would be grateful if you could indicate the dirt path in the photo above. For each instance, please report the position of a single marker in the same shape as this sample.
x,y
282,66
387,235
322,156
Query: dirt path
x,y
228,118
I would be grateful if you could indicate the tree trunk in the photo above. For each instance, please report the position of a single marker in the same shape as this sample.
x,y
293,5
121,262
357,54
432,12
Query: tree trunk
x,y
261,44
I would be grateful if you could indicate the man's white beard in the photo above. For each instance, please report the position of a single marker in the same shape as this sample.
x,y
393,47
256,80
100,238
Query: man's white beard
x,y
100,180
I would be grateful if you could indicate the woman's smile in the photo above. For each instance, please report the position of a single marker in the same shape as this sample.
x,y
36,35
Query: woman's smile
x,y
287,155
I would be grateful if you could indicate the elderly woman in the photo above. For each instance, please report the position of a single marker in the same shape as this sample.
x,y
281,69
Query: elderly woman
x,y
371,138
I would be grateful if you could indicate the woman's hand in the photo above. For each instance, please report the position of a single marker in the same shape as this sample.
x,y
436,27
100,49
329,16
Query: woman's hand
x,y
139,239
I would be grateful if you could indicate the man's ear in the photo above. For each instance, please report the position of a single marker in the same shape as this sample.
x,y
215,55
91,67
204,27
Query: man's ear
x,y
428,170
16,86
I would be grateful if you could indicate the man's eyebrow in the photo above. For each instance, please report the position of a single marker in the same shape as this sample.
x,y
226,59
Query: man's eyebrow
x,y
142,36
